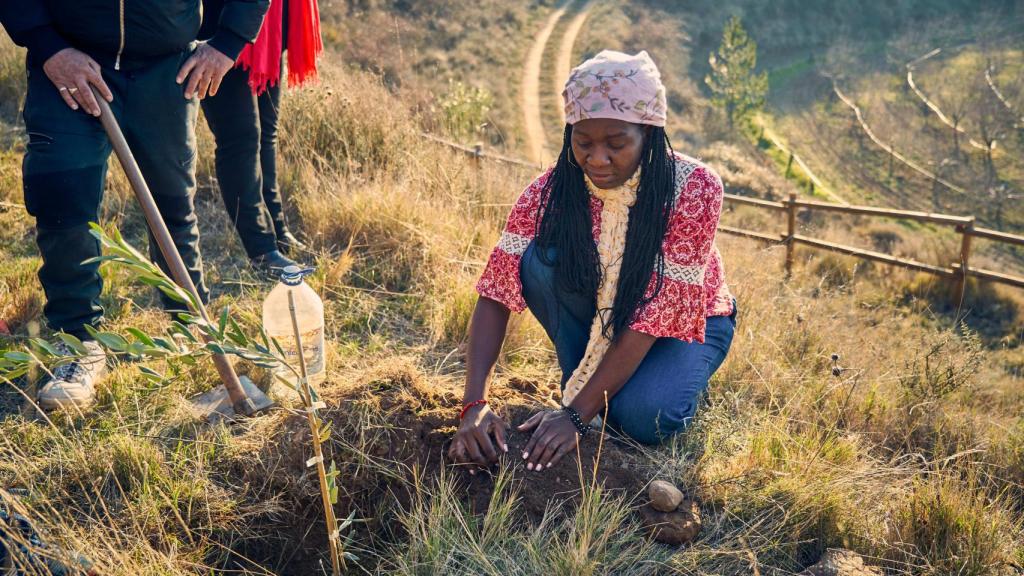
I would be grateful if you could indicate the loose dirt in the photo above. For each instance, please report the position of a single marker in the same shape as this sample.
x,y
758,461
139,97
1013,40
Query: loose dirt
x,y
395,432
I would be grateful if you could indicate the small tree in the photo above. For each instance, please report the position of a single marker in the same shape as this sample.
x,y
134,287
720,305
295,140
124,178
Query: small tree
x,y
993,122
737,89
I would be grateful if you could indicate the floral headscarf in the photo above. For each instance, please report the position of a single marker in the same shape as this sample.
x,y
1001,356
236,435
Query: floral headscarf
x,y
616,85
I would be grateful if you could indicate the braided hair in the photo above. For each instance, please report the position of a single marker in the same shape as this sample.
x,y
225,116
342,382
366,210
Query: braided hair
x,y
564,223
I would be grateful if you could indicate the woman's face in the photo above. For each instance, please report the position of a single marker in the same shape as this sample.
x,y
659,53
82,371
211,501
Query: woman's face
x,y
607,150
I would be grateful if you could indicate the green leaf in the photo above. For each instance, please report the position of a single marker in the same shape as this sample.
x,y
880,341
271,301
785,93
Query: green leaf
x,y
151,375
141,336
325,434
73,342
235,334
223,323
165,344
215,348
187,318
151,280
17,356
42,345
154,352
136,348
111,341
209,331
16,373
180,328
277,346
347,521
173,294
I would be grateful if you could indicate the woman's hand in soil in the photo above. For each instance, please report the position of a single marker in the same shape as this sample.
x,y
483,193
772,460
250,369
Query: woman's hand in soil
x,y
472,443
554,436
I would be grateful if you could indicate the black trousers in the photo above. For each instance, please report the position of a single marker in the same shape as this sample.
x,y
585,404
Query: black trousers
x,y
244,128
65,165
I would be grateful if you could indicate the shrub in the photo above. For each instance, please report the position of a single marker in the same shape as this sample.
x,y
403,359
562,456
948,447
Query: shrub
x,y
464,109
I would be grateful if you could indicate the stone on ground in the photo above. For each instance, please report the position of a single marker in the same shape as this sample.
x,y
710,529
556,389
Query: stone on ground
x,y
665,497
677,527
839,562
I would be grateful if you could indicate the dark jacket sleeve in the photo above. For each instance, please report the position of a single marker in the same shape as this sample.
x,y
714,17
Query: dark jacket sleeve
x,y
28,24
239,24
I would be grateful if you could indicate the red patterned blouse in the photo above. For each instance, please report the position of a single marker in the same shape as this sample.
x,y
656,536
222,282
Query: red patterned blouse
x,y
694,283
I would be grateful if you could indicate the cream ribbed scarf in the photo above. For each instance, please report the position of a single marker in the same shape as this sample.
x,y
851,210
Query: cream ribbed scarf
x,y
610,247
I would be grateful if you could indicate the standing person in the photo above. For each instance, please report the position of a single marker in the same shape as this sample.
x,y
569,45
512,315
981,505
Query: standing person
x,y
613,250
243,117
142,58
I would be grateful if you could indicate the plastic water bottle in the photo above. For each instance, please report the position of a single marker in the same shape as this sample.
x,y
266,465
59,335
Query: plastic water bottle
x,y
309,311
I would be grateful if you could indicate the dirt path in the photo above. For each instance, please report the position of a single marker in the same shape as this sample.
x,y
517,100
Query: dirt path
x,y
564,62
536,142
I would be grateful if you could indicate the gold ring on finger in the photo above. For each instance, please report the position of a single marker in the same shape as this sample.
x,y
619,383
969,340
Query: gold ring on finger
x,y
72,90
63,89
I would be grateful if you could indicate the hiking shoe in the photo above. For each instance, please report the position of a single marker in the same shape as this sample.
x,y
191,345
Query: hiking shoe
x,y
288,244
272,263
74,383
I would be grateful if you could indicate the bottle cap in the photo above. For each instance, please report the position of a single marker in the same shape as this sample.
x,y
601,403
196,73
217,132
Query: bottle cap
x,y
293,275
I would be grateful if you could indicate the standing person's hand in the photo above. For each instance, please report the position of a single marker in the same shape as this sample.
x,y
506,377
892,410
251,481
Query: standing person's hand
x,y
554,436
73,72
472,443
205,68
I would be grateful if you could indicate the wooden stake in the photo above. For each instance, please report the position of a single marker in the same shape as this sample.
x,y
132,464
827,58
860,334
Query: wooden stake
x,y
790,233
29,409
965,255
318,455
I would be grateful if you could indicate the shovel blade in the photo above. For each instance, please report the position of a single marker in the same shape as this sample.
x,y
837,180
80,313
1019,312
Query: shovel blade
x,y
214,405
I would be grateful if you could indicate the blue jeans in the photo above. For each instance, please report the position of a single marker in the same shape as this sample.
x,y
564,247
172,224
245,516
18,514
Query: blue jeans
x,y
661,397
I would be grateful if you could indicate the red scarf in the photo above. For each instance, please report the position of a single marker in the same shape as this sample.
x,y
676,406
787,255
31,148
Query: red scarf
x,y
263,58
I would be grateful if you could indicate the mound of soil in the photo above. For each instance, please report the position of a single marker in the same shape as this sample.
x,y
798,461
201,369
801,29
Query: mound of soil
x,y
618,468
389,433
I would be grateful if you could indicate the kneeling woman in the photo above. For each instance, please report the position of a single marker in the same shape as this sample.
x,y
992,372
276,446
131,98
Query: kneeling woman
x,y
613,250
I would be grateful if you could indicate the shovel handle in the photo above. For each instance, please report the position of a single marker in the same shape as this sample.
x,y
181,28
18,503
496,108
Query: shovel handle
x,y
239,400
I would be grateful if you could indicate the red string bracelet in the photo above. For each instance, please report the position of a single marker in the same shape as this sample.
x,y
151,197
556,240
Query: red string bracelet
x,y
470,405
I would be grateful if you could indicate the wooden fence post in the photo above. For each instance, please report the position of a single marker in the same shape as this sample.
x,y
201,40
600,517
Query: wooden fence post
x,y
478,153
790,232
965,256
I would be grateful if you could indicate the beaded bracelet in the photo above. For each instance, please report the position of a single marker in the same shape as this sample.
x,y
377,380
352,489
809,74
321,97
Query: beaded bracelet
x,y
470,405
581,427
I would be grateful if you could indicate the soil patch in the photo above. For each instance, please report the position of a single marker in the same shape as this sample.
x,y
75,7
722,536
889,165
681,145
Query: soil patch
x,y
386,436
